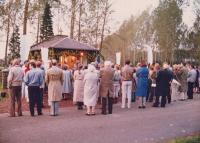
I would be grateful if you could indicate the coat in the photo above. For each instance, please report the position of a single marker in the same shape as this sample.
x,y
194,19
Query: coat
x,y
182,79
142,82
163,82
78,86
91,88
67,81
106,83
54,79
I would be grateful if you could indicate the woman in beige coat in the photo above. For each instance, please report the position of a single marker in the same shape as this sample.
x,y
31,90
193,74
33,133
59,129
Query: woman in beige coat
x,y
54,79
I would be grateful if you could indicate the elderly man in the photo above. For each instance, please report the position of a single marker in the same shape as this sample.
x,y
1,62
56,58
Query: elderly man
x,y
54,79
106,87
163,84
15,78
127,78
191,78
41,69
34,80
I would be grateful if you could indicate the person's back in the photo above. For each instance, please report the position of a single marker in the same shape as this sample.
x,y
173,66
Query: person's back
x,y
127,73
142,72
15,76
163,79
192,75
34,77
54,74
54,79
107,76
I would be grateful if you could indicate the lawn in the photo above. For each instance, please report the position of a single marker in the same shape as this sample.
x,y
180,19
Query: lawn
x,y
190,139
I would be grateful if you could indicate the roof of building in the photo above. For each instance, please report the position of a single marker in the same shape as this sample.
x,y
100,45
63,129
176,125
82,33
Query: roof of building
x,y
62,42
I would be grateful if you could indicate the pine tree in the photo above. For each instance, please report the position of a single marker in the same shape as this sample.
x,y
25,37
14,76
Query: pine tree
x,y
14,44
46,29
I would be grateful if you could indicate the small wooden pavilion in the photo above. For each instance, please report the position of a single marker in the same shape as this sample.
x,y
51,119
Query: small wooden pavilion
x,y
65,50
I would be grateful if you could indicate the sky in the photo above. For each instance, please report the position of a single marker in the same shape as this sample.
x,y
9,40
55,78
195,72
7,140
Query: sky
x,y
123,9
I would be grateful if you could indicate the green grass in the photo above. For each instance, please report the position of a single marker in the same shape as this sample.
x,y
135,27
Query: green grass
x,y
190,139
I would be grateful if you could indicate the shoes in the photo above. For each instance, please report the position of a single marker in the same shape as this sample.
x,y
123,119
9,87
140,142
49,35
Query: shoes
x,y
11,116
104,113
53,115
142,107
154,105
80,108
93,114
40,114
87,114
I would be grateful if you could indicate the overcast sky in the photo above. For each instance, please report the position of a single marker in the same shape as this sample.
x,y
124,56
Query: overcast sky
x,y
123,9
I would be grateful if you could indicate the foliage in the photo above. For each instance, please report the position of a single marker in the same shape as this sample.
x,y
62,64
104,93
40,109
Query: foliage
x,y
14,44
193,139
168,18
46,29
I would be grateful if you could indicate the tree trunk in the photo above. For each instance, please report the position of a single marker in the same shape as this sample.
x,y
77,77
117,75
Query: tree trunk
x,y
103,27
79,22
73,18
25,17
38,28
7,40
97,25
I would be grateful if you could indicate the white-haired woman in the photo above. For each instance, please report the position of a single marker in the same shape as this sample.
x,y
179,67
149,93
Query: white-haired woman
x,y
78,87
91,89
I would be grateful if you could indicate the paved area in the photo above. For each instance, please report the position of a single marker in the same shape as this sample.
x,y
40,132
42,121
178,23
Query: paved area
x,y
134,125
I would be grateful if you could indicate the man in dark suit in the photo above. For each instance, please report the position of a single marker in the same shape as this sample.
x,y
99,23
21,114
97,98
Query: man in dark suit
x,y
163,82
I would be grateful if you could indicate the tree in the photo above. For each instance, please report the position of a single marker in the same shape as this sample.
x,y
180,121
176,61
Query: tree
x,y
168,18
46,29
14,44
73,17
10,12
25,17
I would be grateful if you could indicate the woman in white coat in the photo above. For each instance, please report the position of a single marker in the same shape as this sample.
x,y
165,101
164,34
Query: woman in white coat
x,y
78,87
91,79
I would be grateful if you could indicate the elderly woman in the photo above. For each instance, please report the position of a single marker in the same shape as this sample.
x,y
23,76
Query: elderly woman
x,y
91,79
67,84
182,79
116,83
142,84
78,87
175,95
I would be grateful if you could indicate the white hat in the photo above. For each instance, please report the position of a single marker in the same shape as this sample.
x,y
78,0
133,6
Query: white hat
x,y
91,68
107,63
54,61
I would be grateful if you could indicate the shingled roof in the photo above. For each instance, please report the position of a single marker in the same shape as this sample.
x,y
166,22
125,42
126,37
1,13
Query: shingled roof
x,y
62,42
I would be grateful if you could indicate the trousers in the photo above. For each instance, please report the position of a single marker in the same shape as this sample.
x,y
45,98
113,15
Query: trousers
x,y
34,99
54,106
107,100
15,95
190,90
126,93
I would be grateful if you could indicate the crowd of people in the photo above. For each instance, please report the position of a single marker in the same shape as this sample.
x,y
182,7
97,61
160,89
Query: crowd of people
x,y
106,83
